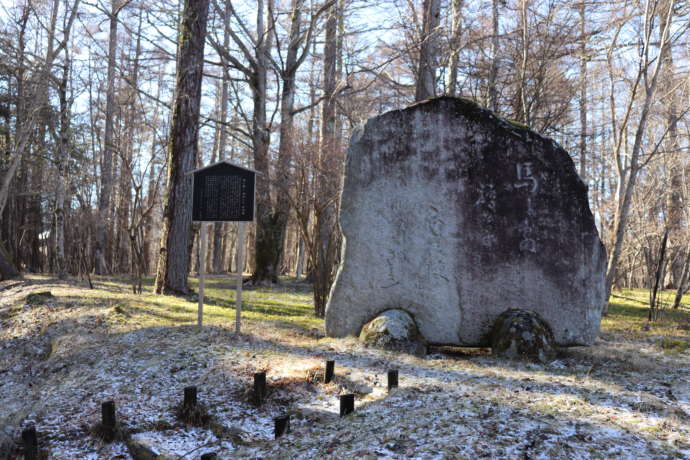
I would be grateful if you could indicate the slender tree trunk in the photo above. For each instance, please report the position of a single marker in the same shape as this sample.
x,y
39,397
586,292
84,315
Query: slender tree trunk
x,y
492,93
174,258
454,51
104,214
299,269
23,118
146,251
21,144
658,278
34,192
675,196
152,196
34,218
269,260
325,231
124,197
680,289
428,51
286,146
61,166
7,268
523,113
217,237
583,93
626,188
261,138
132,205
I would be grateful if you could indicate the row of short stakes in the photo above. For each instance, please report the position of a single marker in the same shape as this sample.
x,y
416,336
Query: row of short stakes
x,y
347,401
281,423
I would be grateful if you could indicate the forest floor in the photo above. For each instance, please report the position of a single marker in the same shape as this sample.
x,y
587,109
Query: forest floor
x,y
628,396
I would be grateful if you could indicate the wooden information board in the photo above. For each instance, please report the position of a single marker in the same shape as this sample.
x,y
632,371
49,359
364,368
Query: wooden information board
x,y
223,192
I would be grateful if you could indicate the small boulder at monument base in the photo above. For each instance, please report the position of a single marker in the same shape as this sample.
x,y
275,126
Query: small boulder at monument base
x,y
522,334
394,330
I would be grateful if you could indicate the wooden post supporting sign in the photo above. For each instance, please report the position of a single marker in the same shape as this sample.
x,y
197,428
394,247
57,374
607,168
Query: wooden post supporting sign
x,y
241,235
202,272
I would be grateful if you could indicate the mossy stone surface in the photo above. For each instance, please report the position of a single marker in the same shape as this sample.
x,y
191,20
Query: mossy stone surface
x,y
39,298
394,330
142,447
522,334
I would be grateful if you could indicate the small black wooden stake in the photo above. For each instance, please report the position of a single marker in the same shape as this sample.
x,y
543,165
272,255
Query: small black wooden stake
x,y
347,404
259,388
108,414
209,456
392,379
189,397
30,441
282,425
330,371
108,421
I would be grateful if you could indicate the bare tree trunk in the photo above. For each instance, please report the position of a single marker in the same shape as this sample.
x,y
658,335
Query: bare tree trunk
x,y
106,191
271,229
28,103
33,168
21,144
152,197
18,147
7,269
261,139
299,269
454,51
658,279
681,289
492,99
325,231
61,166
675,198
286,146
173,262
217,258
269,260
626,187
23,117
523,113
583,93
428,51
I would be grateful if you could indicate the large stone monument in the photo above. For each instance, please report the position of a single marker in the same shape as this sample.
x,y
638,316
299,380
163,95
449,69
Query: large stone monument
x,y
455,216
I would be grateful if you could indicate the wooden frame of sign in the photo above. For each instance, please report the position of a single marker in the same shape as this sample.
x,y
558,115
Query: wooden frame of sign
x,y
223,192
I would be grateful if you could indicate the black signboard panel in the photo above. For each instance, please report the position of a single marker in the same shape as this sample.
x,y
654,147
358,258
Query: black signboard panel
x,y
222,193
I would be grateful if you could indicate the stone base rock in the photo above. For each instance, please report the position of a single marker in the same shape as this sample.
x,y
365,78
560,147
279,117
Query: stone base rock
x,y
40,298
522,334
394,330
141,447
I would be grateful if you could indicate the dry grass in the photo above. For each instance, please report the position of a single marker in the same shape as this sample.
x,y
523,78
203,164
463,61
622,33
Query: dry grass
x,y
628,312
